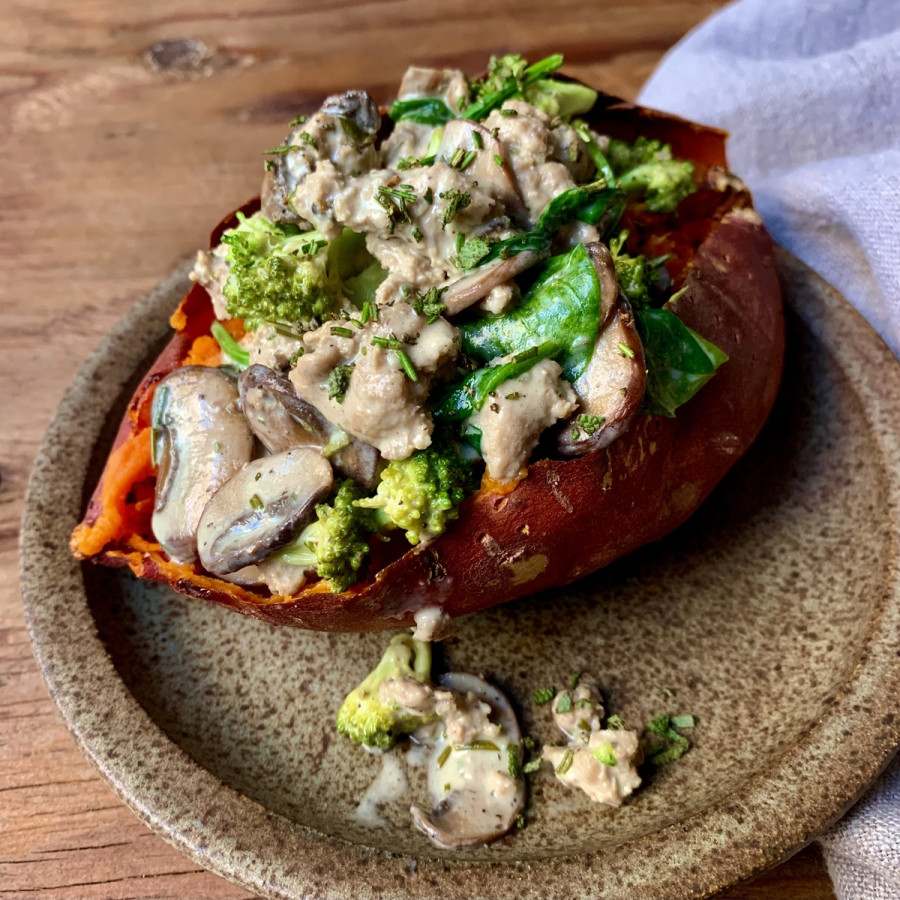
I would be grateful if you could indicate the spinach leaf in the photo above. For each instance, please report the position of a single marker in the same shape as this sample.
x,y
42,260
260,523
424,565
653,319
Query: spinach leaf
x,y
469,395
679,361
594,204
423,110
562,307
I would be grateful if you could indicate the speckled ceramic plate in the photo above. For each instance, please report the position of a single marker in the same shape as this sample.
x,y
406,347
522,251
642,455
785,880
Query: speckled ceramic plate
x,y
773,617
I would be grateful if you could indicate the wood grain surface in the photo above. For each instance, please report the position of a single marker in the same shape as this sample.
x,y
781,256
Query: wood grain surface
x,y
126,130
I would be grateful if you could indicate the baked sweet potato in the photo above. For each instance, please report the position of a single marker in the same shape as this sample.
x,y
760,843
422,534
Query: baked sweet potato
x,y
567,517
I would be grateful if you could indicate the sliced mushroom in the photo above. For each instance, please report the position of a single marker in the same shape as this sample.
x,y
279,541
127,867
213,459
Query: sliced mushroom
x,y
200,439
475,794
610,390
603,264
262,508
282,420
475,286
359,113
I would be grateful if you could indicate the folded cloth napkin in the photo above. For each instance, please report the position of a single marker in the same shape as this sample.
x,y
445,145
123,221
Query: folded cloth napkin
x,y
810,91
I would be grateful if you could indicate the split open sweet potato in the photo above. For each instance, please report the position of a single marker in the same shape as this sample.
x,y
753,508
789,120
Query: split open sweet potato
x,y
567,517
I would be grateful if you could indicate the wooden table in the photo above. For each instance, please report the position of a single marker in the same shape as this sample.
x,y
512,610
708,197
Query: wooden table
x,y
127,130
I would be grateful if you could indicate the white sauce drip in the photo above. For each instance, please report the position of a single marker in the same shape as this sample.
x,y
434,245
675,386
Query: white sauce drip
x,y
389,785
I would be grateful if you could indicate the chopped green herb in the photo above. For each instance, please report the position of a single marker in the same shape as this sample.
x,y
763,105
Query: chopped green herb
x,y
338,382
531,766
429,304
307,138
395,201
417,234
296,355
576,434
584,703
520,821
445,755
389,343
566,762
564,704
528,742
428,196
478,745
543,696
457,201
625,350
478,140
256,502
498,159
340,331
470,251
217,446
665,744
513,396
466,160
513,761
616,723
281,149
412,162
574,678
298,120
369,312
407,366
508,113
605,753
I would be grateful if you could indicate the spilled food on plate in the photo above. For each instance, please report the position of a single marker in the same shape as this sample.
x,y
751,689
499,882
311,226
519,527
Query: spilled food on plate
x,y
471,347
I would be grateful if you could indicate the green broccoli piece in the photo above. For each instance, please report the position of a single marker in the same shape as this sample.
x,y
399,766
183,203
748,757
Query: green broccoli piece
x,y
639,278
421,493
370,721
647,168
336,544
278,275
500,70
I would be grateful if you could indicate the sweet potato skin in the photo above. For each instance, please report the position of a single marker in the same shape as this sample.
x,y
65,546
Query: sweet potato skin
x,y
641,487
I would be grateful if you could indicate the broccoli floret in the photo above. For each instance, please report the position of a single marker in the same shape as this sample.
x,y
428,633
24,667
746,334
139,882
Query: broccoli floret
x,y
336,544
278,274
421,493
500,70
639,278
367,719
647,168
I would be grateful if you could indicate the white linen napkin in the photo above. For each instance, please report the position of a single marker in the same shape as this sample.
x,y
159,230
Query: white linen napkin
x,y
810,91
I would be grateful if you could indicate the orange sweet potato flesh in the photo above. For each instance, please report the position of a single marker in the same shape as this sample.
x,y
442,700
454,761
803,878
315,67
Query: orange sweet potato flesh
x,y
567,518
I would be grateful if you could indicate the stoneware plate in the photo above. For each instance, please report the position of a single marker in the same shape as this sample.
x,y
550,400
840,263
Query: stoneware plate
x,y
772,617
